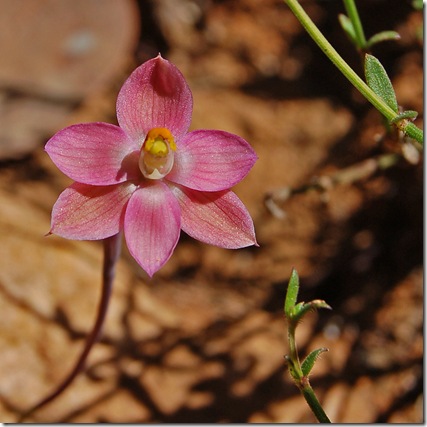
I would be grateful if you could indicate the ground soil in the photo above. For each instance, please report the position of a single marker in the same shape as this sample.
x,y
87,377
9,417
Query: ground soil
x,y
205,339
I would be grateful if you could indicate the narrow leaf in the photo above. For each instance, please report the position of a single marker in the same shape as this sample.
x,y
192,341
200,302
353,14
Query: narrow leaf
x,y
308,363
301,309
379,82
348,28
382,37
319,303
292,293
408,114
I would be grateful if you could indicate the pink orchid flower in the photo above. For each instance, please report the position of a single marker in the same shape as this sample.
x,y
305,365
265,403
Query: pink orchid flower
x,y
149,176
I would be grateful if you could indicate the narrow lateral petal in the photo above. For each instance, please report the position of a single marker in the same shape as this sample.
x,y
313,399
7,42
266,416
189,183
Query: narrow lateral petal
x,y
87,212
155,95
210,160
152,226
94,153
217,218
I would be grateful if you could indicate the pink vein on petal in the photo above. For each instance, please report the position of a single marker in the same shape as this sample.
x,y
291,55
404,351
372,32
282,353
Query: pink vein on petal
x,y
217,218
155,95
152,226
211,160
86,212
93,153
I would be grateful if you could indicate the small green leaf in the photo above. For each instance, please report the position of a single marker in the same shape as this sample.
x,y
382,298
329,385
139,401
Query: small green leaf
x,y
319,303
296,310
302,308
378,81
408,114
348,28
308,363
382,37
291,293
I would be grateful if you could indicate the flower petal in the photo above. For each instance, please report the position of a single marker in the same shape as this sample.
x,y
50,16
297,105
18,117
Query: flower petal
x,y
94,153
152,226
87,212
217,218
210,160
155,95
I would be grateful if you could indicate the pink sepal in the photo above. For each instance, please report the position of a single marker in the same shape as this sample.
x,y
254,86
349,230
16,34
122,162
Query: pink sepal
x,y
86,212
217,218
211,160
155,95
152,226
94,153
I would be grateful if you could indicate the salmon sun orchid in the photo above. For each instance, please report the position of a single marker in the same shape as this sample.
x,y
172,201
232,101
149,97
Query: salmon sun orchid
x,y
149,176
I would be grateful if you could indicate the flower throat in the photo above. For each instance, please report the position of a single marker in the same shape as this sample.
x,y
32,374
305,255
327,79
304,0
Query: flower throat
x,y
157,153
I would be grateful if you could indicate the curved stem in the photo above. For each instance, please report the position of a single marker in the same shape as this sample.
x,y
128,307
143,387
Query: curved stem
x,y
112,247
348,72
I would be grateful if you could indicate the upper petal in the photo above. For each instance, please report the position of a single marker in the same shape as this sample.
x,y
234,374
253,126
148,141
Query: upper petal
x,y
152,226
217,218
211,160
155,95
87,212
93,153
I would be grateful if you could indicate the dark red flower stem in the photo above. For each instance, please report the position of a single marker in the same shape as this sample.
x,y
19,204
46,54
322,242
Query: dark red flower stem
x,y
112,247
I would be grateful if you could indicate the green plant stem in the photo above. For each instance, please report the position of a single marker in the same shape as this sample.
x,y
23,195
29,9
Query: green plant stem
x,y
414,132
314,404
301,380
404,125
293,351
350,7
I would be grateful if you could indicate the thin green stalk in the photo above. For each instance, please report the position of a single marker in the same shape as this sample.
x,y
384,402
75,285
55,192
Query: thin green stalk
x,y
314,404
350,7
301,380
404,125
293,356
414,132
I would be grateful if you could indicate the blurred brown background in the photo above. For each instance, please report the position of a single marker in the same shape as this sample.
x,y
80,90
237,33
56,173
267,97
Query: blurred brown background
x,y
204,340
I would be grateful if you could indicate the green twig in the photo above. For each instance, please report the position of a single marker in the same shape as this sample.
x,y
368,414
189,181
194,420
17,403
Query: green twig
x,y
299,373
404,125
314,404
302,380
